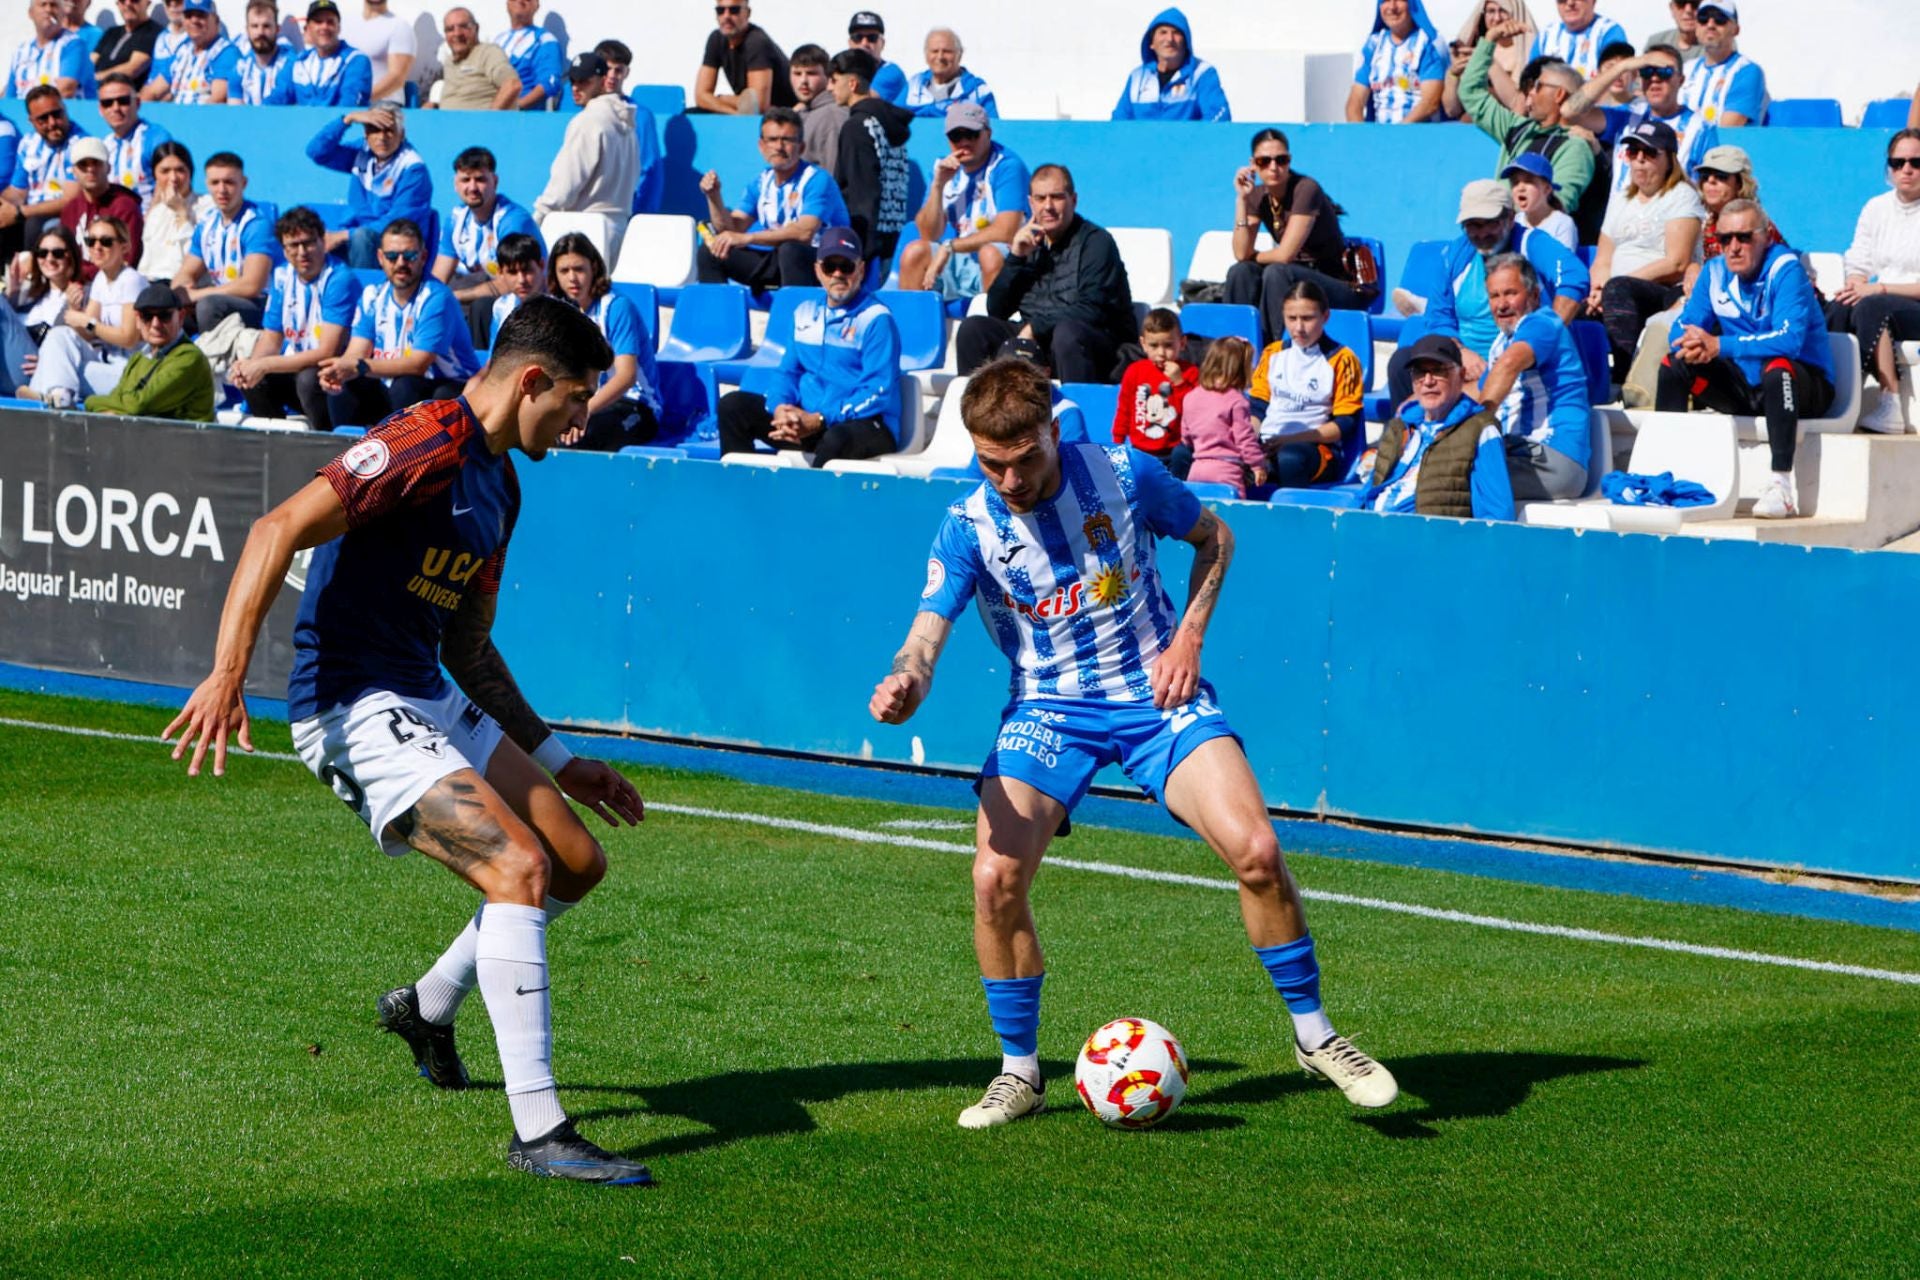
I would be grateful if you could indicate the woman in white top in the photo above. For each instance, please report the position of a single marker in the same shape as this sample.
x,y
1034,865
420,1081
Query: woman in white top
x,y
388,42
43,286
172,215
1880,301
1650,236
82,356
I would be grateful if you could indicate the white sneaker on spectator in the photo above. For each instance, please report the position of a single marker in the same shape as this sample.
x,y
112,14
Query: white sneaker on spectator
x,y
1885,416
59,398
1777,503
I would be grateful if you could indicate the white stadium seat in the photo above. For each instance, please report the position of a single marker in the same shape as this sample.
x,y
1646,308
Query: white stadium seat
x,y
590,225
950,446
1148,255
658,251
1827,270
1213,255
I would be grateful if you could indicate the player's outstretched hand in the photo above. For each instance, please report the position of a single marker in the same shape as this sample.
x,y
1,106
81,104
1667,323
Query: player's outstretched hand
x,y
217,708
1176,675
896,698
603,789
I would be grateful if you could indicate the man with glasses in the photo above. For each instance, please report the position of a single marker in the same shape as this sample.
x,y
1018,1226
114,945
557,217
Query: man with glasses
x,y
127,47
1578,37
230,264
974,205
597,168
866,31
768,239
43,177
1684,34
475,74
96,195
167,377
201,70
1442,453
1725,86
468,259
945,81
1541,129
265,65
756,70
836,393
1662,74
53,56
331,73
1752,339
308,312
535,55
130,140
410,342
386,179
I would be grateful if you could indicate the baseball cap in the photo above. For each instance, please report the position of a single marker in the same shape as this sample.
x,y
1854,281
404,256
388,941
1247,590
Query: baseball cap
x,y
158,295
1728,7
967,115
1022,349
321,9
839,242
87,149
866,20
1529,162
1726,158
586,67
199,6
1485,198
1436,346
1654,135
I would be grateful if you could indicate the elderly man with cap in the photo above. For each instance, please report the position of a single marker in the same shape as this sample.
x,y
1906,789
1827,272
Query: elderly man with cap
x,y
1725,86
386,179
331,73
946,82
1442,453
96,196
167,377
1459,307
597,168
204,69
836,393
865,30
975,203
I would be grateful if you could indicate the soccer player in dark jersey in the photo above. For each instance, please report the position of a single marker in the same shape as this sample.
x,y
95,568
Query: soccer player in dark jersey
x,y
409,529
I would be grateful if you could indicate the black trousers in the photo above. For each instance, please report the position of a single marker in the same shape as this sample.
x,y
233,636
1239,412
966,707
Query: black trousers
x,y
745,418
215,307
790,263
365,402
1264,287
1868,318
1076,351
617,426
1626,303
1788,392
277,393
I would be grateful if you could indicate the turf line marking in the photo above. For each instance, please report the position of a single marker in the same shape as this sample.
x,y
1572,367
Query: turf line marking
x,y
856,835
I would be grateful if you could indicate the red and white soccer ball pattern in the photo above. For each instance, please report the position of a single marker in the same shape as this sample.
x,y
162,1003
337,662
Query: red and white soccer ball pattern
x,y
1132,1073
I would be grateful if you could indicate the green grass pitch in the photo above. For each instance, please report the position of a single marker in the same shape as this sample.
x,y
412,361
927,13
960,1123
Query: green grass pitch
x,y
785,1024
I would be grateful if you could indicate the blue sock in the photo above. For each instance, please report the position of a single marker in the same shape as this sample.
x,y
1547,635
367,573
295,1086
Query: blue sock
x,y
1014,1006
1296,976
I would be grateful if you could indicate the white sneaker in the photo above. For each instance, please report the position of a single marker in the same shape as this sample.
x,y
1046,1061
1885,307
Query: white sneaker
x,y
1365,1082
59,398
1885,416
1409,304
1777,503
1007,1099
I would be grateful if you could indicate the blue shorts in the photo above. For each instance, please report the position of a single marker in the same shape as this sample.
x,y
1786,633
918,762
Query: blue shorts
x,y
1056,745
961,278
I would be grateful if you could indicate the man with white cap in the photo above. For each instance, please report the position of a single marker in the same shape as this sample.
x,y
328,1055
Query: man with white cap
x,y
96,196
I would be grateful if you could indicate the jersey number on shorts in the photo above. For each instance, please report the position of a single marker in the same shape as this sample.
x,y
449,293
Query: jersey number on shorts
x,y
346,788
1181,718
399,717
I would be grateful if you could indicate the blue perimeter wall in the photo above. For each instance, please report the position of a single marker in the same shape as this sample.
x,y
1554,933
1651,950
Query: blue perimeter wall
x,y
1671,695
1398,185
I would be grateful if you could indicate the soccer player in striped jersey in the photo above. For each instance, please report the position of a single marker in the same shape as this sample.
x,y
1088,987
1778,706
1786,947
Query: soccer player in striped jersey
x,y
1056,550
409,529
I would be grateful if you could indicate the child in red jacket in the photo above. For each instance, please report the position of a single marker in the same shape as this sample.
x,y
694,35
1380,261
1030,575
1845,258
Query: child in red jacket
x,y
1152,391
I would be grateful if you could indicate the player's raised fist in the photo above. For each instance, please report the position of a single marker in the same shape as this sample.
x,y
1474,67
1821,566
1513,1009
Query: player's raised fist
x,y
896,698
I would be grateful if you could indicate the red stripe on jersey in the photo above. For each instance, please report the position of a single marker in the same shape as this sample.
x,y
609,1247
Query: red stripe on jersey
x,y
405,461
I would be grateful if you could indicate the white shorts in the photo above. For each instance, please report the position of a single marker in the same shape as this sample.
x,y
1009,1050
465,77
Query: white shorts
x,y
384,751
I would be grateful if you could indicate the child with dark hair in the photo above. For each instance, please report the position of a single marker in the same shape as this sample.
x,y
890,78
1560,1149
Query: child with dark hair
x,y
1152,391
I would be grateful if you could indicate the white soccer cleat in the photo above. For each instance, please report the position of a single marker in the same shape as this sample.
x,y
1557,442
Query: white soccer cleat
x,y
1007,1099
1885,416
1365,1082
1777,503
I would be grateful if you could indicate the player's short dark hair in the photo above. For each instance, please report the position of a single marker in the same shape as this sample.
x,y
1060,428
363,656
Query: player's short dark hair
x,y
40,91
1160,320
809,55
298,220
520,250
615,51
475,158
556,335
858,63
1059,171
1007,400
118,77
225,160
406,228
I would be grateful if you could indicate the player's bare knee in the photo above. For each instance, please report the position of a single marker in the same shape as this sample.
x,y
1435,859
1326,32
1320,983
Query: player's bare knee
x,y
520,870
1257,862
999,886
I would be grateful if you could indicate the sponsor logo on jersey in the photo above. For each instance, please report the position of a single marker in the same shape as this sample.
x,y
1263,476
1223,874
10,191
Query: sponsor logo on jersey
x,y
1063,603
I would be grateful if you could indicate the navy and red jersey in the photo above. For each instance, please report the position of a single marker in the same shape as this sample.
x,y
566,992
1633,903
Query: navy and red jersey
x,y
429,512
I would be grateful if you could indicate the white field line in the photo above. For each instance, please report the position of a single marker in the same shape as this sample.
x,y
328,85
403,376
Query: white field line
x,y
856,835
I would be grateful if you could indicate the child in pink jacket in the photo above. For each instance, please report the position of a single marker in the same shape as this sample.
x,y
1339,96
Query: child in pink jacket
x,y
1217,424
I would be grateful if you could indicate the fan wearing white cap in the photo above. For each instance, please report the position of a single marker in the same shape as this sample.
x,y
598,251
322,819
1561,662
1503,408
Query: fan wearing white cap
x,y
96,196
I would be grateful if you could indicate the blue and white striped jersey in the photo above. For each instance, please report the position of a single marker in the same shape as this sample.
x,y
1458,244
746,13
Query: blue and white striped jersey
x,y
1070,590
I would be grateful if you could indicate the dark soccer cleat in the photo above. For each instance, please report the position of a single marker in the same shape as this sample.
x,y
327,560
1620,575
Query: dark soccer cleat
x,y
432,1044
561,1152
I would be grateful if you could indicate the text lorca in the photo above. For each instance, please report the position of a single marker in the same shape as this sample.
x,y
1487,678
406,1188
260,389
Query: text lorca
x,y
82,517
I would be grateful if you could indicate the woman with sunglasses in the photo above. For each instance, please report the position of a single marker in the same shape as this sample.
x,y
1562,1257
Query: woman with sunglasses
x,y
1509,56
1308,244
1880,302
626,408
47,283
84,354
173,214
1650,237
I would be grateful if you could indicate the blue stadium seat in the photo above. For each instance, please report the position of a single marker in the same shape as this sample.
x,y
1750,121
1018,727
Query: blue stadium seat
x,y
1379,257
1887,113
1342,496
1205,490
1590,338
349,431
1222,320
662,99
922,320
1354,330
650,451
647,299
1421,274
1804,113
709,323
1098,403
773,343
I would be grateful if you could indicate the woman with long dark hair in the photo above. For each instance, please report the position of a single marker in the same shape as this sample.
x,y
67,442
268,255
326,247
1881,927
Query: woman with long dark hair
x,y
626,408
1304,222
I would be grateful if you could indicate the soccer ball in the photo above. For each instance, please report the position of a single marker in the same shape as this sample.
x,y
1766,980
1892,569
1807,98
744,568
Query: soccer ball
x,y
1132,1073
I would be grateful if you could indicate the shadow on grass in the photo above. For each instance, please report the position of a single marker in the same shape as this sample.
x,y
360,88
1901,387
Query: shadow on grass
x,y
737,1105
1450,1086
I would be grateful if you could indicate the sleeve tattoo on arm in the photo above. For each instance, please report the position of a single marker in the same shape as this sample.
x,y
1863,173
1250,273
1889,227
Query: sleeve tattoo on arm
x,y
1213,543
480,671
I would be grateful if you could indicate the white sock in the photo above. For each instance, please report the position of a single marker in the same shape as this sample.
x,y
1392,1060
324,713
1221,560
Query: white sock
x,y
1785,478
443,987
511,960
1311,1030
1024,1065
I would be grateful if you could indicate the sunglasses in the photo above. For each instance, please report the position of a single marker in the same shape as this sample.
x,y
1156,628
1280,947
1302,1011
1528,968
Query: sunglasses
x,y
400,255
1659,73
729,8
1897,163
46,116
1715,175
100,242
963,135
1715,18
116,102
150,314
1272,162
1430,372
1738,237
1635,149
837,267
864,37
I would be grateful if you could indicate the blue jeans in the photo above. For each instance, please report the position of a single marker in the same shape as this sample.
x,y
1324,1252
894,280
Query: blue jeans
x,y
363,248
16,344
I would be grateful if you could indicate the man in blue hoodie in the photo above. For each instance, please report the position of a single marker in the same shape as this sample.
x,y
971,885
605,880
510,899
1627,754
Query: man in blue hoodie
x,y
1401,69
1752,340
1171,83
836,392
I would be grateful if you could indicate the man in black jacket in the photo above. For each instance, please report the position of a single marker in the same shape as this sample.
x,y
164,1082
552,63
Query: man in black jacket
x,y
871,166
1065,278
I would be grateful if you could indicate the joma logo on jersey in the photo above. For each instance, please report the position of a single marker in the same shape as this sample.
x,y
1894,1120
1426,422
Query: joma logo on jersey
x,y
1063,603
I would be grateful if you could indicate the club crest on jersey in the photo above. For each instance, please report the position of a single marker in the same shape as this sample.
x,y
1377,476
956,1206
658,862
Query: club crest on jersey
x,y
1099,530
1063,603
366,459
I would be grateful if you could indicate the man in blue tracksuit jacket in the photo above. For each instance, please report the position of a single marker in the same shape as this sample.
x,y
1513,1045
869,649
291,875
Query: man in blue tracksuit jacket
x,y
1752,339
1171,83
387,180
836,393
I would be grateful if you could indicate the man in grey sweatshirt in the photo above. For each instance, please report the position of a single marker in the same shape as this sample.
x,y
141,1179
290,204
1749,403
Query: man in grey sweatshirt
x,y
598,164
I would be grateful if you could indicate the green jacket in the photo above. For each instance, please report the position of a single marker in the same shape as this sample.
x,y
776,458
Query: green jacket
x,y
178,385
1572,159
